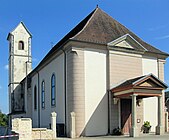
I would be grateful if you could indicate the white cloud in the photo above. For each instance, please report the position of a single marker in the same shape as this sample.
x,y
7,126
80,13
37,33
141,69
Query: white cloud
x,y
158,27
6,67
162,37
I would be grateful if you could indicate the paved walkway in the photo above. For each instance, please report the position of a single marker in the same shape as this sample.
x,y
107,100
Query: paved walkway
x,y
151,136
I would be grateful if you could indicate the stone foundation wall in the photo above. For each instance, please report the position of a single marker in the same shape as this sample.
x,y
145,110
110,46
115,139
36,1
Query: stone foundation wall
x,y
42,133
23,126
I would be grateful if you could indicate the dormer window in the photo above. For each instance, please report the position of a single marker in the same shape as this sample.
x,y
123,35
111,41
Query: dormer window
x,y
21,45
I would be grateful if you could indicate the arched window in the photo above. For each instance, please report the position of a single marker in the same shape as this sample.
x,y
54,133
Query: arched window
x,y
43,94
21,45
35,98
53,91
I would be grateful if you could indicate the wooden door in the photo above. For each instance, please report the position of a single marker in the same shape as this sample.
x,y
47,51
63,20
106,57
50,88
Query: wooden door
x,y
126,105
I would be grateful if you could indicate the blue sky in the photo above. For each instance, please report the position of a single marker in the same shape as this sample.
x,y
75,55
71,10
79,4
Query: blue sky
x,y
50,20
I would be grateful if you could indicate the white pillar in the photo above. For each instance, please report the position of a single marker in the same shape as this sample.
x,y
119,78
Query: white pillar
x,y
134,129
159,127
73,127
53,123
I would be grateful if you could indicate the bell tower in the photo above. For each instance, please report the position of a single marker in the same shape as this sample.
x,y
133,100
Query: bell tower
x,y
20,64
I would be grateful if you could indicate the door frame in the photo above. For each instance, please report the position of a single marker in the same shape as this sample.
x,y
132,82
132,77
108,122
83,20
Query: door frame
x,y
130,111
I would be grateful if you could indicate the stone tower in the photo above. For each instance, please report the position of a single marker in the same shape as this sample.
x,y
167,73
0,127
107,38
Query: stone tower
x,y
20,64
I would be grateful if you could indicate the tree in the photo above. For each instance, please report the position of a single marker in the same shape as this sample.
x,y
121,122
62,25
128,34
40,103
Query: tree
x,y
3,119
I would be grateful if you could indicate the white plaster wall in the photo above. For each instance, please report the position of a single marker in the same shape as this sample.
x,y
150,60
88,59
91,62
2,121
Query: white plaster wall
x,y
34,112
150,104
149,65
20,34
54,67
96,106
20,68
17,62
28,102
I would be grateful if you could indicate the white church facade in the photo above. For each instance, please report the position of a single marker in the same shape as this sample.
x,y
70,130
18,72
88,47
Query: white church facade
x,y
100,70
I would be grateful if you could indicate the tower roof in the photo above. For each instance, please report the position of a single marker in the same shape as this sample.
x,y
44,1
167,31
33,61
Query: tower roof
x,y
20,24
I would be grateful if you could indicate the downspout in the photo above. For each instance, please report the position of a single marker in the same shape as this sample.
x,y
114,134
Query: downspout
x,y
108,90
38,101
108,112
65,87
26,87
158,68
11,72
12,77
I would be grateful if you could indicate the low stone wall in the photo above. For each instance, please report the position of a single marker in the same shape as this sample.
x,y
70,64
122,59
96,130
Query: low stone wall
x,y
23,126
42,133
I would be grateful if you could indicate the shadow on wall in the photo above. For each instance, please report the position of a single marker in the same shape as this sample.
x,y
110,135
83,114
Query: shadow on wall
x,y
17,98
97,119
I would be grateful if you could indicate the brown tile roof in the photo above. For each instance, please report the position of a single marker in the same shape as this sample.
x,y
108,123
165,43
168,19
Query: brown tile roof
x,y
129,82
67,37
98,27
133,81
101,28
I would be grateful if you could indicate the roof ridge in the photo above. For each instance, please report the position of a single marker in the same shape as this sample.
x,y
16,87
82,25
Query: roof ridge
x,y
135,34
93,13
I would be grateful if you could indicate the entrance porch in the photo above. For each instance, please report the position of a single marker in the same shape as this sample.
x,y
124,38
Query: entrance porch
x,y
130,93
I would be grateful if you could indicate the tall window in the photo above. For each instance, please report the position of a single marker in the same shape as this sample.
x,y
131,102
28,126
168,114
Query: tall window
x,y
21,45
35,98
12,102
10,45
53,90
43,94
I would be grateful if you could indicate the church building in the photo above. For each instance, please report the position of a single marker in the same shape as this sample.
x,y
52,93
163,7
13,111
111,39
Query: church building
x,y
109,77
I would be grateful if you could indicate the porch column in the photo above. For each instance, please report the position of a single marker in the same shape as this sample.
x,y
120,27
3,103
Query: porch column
x,y
134,130
159,127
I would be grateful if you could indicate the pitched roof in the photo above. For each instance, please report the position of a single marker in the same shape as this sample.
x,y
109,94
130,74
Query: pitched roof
x,y
21,23
128,82
99,27
134,81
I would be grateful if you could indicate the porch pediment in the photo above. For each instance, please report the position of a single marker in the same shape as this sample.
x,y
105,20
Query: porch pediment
x,y
150,81
148,85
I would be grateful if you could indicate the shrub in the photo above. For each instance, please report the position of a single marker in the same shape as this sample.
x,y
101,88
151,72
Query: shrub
x,y
146,127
